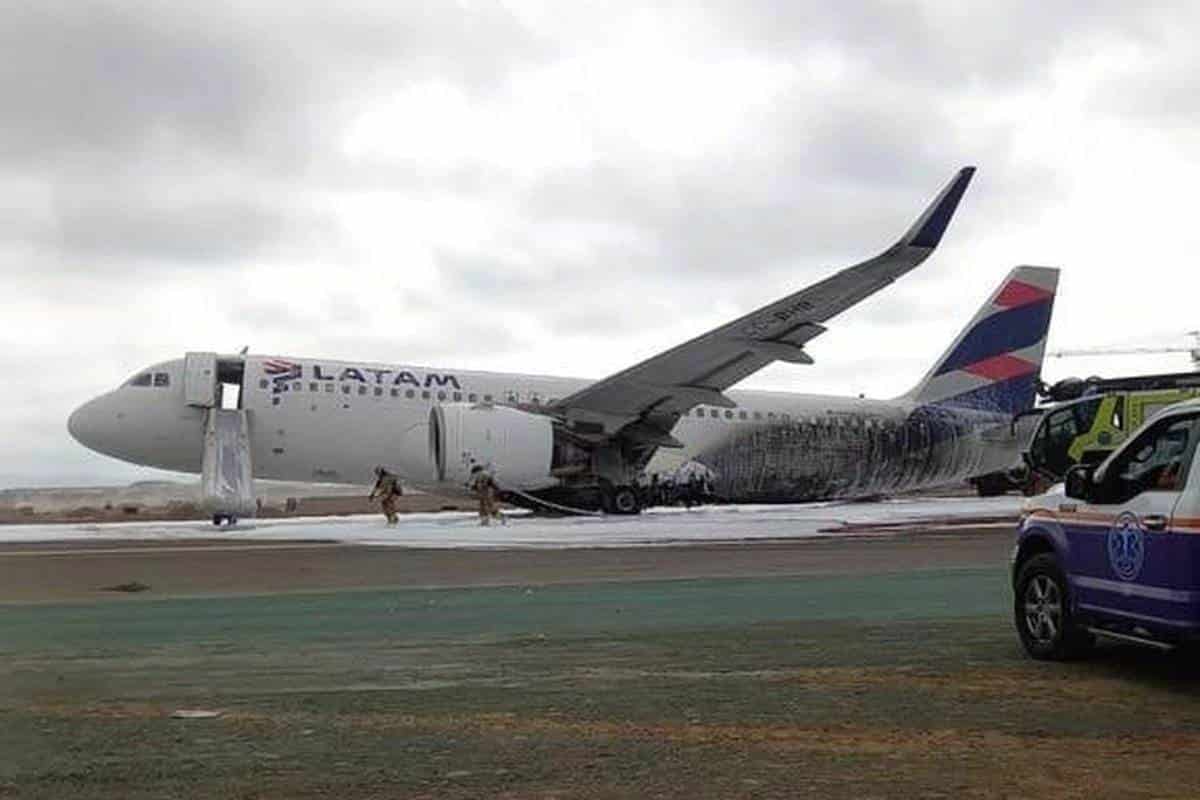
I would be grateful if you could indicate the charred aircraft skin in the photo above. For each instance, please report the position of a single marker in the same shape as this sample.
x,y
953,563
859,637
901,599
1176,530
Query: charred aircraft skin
x,y
850,456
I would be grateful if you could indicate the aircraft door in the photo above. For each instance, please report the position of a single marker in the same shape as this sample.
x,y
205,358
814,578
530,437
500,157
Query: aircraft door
x,y
200,379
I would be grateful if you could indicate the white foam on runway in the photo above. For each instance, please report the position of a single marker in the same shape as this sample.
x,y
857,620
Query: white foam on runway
x,y
658,527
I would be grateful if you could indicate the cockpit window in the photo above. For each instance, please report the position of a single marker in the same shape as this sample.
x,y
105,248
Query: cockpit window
x,y
156,379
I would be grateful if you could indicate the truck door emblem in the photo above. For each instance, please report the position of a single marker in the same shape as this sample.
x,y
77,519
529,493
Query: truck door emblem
x,y
1126,546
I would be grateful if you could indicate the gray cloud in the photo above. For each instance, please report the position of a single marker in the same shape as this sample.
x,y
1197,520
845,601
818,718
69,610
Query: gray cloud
x,y
130,230
495,277
113,78
188,135
933,45
105,80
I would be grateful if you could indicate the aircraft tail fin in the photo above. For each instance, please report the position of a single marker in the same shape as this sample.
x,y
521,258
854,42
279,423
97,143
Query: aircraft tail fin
x,y
996,362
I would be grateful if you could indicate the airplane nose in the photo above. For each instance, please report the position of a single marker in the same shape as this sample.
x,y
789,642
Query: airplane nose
x,y
81,423
87,423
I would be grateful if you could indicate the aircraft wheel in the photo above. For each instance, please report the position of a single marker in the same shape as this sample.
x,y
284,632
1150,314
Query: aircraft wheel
x,y
624,500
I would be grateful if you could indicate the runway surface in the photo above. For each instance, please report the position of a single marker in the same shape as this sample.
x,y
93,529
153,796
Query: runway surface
x,y
49,572
669,526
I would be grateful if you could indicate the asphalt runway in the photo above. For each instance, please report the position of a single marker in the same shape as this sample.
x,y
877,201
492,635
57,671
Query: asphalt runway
x,y
880,665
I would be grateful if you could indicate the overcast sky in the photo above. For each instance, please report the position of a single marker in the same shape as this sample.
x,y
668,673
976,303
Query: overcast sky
x,y
567,188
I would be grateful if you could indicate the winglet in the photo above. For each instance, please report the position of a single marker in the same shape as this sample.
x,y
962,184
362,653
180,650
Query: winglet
x,y
927,231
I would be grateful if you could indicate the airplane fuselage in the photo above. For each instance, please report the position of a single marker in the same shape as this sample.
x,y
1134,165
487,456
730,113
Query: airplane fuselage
x,y
332,421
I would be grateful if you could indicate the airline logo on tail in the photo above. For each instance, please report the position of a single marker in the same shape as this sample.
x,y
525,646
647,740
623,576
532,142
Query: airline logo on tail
x,y
995,363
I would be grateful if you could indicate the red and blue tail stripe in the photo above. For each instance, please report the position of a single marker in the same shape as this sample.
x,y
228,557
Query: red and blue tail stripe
x,y
996,362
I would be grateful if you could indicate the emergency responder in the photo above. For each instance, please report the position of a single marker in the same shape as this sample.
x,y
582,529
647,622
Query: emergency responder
x,y
484,487
387,490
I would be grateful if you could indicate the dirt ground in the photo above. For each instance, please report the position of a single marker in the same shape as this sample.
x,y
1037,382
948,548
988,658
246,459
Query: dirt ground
x,y
870,667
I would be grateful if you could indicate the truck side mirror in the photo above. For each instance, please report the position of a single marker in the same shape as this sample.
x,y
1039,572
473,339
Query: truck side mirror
x,y
1079,484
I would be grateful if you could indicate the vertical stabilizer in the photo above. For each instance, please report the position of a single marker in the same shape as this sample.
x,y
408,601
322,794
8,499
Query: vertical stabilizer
x,y
996,362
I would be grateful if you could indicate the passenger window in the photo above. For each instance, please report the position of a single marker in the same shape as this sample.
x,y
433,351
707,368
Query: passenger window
x,y
741,415
472,397
758,415
410,394
297,386
328,388
379,391
263,383
1157,461
487,398
770,415
425,395
395,392
714,413
728,414
441,396
362,389
457,396
141,380
162,379
314,387
345,388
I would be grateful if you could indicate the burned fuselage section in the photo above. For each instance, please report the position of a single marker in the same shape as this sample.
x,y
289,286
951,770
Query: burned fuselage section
x,y
847,454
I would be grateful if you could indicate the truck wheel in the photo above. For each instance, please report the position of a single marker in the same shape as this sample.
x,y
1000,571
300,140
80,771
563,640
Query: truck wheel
x,y
1042,612
624,500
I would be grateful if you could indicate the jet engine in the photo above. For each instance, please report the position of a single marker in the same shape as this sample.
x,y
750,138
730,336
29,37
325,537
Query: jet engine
x,y
516,445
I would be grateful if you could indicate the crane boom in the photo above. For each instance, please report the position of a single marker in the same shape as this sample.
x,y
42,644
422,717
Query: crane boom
x,y
1118,351
1193,351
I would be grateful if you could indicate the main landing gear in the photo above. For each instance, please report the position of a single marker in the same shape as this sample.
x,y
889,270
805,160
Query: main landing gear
x,y
622,500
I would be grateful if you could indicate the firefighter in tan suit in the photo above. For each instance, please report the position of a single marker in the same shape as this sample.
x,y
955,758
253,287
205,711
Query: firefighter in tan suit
x,y
387,490
484,487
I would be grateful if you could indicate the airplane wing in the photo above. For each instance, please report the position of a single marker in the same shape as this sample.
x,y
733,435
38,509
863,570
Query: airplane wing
x,y
648,396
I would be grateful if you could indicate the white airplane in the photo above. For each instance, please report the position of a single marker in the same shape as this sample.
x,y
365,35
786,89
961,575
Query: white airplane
x,y
585,443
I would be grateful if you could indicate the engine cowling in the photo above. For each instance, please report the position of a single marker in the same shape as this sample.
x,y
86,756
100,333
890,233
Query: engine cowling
x,y
516,445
